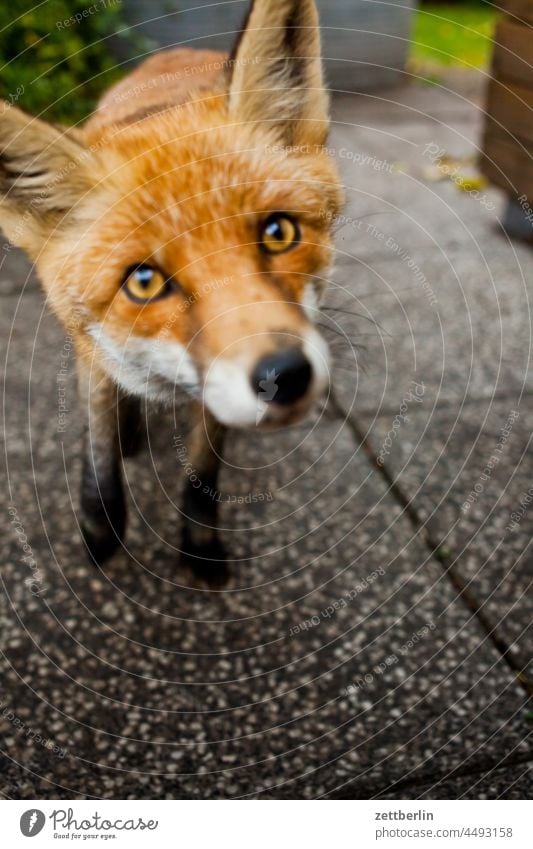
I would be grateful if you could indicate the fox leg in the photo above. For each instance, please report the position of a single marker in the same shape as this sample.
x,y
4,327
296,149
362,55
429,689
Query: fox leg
x,y
102,504
201,497
131,430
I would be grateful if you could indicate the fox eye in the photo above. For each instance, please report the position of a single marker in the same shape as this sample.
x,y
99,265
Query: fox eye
x,y
144,283
279,233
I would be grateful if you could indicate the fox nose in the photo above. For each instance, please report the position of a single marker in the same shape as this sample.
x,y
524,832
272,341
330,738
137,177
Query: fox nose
x,y
282,378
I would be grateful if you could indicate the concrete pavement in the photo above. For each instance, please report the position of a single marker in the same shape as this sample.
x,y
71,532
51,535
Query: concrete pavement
x,y
373,638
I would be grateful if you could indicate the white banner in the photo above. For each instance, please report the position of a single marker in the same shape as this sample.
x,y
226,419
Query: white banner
x,y
263,825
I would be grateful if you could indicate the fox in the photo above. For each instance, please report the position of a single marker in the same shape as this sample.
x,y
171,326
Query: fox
x,y
183,237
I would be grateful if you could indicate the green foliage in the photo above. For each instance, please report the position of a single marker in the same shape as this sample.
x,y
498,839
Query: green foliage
x,y
53,63
454,34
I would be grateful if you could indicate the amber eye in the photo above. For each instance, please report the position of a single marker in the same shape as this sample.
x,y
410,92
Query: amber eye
x,y
144,283
279,234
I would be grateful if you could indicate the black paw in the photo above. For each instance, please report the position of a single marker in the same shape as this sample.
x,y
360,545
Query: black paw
x,y
207,558
102,538
209,550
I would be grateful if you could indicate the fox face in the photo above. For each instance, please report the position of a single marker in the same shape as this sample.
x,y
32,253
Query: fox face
x,y
210,280
186,243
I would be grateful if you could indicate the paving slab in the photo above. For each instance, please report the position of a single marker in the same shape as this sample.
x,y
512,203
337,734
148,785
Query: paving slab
x,y
16,271
388,168
462,330
337,651
443,303
442,295
450,97
467,473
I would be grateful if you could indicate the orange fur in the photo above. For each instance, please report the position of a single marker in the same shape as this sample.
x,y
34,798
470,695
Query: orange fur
x,y
167,171
181,168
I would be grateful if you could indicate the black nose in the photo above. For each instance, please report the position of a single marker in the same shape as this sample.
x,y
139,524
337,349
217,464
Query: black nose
x,y
282,378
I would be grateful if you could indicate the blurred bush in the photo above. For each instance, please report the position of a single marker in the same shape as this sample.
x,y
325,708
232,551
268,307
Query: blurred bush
x,y
56,58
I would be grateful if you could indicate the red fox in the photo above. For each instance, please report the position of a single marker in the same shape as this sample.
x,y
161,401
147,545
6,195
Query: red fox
x,y
181,235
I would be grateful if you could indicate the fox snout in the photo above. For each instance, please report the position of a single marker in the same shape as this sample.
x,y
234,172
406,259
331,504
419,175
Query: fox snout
x,y
285,377
272,389
282,381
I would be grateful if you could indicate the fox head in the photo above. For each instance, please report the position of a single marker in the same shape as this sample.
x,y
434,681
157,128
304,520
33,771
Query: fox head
x,y
186,247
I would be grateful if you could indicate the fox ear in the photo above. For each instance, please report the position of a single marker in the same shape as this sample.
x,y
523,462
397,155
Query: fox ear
x,y
43,174
277,77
